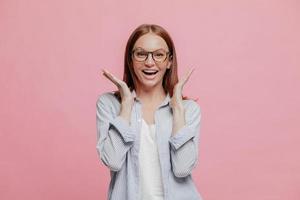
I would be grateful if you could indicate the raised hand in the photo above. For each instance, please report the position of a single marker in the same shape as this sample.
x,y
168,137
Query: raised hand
x,y
127,98
176,100
122,86
177,103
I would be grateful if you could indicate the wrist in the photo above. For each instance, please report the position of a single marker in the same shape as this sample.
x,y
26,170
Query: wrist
x,y
178,110
127,102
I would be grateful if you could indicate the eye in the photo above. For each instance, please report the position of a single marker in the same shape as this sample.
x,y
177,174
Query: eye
x,y
141,53
159,54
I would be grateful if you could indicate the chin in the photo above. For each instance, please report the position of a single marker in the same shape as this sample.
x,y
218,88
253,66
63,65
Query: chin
x,y
149,84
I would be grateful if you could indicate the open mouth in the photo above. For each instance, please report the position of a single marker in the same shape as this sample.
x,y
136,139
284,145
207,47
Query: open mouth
x,y
149,72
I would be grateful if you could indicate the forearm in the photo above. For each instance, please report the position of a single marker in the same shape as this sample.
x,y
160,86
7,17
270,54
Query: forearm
x,y
184,139
113,150
125,111
114,135
184,159
178,119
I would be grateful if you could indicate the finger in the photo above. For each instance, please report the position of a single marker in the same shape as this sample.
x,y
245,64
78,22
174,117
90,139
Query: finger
x,y
108,75
111,77
187,76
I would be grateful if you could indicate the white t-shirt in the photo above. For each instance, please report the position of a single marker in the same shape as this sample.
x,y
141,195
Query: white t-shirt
x,y
151,187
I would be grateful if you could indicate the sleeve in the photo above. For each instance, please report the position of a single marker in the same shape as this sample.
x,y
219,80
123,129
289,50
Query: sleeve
x,y
184,144
114,135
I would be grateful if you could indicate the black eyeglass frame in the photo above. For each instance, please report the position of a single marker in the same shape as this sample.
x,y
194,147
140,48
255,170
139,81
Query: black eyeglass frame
x,y
150,52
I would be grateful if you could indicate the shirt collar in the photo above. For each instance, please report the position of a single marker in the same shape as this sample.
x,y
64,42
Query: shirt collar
x,y
165,101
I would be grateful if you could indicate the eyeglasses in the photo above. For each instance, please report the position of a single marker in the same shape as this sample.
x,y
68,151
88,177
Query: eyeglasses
x,y
141,55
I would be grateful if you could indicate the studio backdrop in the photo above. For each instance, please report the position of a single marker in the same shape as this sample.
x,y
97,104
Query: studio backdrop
x,y
246,80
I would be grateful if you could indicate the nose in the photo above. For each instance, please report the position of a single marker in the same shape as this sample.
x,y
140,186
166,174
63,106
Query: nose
x,y
149,61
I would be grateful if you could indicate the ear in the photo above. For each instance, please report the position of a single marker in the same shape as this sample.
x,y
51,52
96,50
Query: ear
x,y
170,59
169,64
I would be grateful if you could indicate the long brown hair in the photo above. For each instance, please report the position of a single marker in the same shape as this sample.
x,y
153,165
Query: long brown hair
x,y
171,75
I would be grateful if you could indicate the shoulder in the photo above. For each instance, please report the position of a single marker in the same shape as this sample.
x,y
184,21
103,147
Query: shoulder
x,y
191,107
107,99
191,104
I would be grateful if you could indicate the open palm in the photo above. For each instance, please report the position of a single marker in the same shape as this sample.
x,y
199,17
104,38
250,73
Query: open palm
x,y
122,86
176,100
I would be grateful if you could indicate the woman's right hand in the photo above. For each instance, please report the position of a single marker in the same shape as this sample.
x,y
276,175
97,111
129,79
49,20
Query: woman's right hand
x,y
125,93
127,98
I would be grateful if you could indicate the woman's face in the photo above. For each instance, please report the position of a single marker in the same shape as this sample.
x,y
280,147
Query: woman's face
x,y
150,73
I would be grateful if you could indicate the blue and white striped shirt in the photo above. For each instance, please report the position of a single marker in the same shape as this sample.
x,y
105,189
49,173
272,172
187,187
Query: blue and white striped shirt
x,y
118,148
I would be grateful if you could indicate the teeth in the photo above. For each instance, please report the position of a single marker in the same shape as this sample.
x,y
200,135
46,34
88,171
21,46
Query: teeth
x,y
149,72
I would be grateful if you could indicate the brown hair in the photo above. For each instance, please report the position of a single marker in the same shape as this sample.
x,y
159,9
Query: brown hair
x,y
171,75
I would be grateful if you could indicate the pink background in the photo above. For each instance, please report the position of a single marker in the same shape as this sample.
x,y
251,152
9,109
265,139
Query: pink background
x,y
247,78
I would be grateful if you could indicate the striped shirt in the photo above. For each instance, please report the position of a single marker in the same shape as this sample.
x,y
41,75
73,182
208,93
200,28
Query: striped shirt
x,y
118,145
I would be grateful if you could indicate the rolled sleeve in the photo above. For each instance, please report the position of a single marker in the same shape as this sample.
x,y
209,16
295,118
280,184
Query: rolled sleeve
x,y
114,134
190,129
125,130
181,137
184,143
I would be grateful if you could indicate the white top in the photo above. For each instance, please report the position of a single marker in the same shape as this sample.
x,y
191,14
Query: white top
x,y
151,187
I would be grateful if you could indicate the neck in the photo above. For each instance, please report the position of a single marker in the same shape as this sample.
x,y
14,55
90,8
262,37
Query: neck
x,y
156,94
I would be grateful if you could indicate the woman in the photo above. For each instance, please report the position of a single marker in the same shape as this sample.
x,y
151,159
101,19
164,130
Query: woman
x,y
147,133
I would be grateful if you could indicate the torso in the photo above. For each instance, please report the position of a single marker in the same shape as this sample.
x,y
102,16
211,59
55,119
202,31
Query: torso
x,y
148,114
148,111
151,186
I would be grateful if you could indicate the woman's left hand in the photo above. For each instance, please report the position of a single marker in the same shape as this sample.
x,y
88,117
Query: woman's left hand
x,y
176,100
